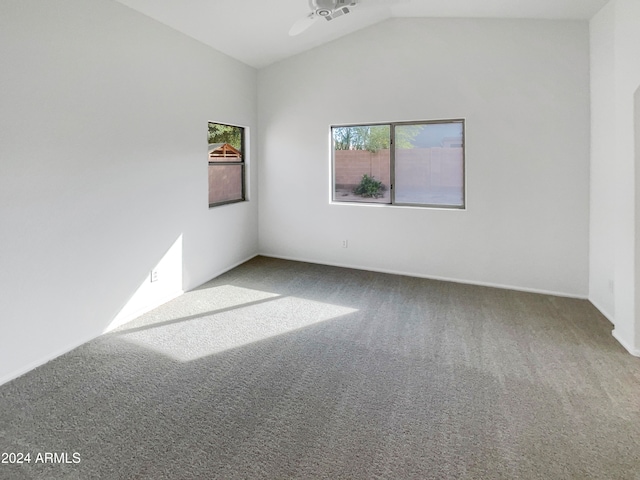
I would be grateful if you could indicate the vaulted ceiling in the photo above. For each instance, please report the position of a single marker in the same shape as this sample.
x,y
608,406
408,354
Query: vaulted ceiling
x,y
256,31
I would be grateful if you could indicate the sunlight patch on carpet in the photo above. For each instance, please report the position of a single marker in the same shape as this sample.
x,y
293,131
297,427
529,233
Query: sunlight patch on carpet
x,y
255,316
200,302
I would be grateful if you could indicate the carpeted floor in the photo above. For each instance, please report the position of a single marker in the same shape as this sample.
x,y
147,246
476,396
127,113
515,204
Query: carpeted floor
x,y
281,369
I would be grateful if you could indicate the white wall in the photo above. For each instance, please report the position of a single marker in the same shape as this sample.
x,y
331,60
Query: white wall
x,y
615,246
635,348
103,169
523,88
602,197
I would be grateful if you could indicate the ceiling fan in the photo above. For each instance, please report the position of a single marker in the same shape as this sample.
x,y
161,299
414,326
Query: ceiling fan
x,y
330,9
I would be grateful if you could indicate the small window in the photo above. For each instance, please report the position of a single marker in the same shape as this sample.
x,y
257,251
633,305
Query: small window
x,y
226,164
408,163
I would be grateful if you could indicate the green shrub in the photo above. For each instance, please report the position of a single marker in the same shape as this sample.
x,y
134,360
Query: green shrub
x,y
369,187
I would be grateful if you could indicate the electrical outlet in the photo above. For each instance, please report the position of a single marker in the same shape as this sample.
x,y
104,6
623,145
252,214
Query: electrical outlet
x,y
345,243
154,275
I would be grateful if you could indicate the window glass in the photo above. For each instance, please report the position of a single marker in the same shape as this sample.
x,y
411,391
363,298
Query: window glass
x,y
225,183
362,164
407,163
226,164
429,164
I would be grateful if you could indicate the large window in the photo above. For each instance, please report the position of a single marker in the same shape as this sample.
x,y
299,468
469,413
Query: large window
x,y
226,164
407,163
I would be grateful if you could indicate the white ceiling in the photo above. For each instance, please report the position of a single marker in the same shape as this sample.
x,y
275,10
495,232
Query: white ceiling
x,y
256,31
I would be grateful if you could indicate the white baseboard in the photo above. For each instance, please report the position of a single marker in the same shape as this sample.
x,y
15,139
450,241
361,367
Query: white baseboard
x,y
432,277
604,312
35,364
167,298
633,351
142,310
226,269
47,358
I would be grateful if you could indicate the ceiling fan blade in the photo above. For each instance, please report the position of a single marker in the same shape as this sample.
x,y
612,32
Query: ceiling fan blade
x,y
302,24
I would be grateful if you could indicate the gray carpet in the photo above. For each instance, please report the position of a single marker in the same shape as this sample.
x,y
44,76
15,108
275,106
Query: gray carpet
x,y
281,369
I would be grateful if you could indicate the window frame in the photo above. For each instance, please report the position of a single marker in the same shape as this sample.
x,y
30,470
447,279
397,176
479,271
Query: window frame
x,y
241,163
392,163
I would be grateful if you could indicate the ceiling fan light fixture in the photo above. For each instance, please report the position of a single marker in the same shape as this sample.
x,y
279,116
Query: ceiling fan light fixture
x,y
327,9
